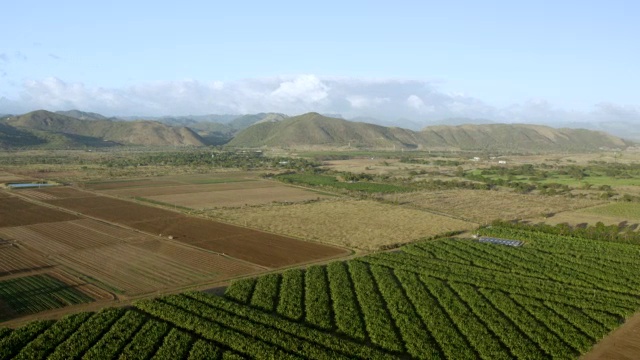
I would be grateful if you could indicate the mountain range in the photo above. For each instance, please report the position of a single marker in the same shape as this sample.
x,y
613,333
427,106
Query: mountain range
x,y
77,129
56,130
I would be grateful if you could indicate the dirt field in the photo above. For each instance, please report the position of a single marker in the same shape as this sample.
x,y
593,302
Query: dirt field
x,y
232,194
485,206
16,259
124,260
189,189
236,198
17,212
134,269
253,246
622,344
143,183
359,224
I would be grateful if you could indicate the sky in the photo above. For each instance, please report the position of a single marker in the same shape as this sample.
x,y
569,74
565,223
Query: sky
x,y
511,61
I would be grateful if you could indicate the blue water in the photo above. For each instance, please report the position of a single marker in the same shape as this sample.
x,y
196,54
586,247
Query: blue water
x,y
20,186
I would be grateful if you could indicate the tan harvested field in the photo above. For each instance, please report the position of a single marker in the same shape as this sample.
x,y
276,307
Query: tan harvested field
x,y
360,224
134,269
622,344
143,183
58,237
583,218
232,194
6,177
18,212
189,189
250,245
63,192
38,195
484,206
125,260
95,292
16,259
236,198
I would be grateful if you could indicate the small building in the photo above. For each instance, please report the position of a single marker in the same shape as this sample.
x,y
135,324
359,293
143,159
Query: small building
x,y
502,162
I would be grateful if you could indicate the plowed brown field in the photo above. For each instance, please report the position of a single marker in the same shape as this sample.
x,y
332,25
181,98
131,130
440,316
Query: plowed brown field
x,y
250,245
17,212
16,259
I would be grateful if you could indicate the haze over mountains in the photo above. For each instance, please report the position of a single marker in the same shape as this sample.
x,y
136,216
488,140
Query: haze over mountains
x,y
78,129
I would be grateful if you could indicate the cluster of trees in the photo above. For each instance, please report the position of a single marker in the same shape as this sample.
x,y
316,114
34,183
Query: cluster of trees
x,y
221,159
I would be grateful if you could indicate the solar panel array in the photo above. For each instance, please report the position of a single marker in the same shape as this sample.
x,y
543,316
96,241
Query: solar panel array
x,y
500,241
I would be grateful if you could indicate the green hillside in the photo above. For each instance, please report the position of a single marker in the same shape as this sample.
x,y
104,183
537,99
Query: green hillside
x,y
47,129
313,129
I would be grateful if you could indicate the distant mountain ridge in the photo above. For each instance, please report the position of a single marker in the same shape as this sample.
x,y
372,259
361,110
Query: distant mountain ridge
x,y
44,129
316,130
40,128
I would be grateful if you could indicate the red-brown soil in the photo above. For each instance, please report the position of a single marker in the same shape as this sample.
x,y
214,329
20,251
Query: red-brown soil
x,y
16,259
17,212
249,245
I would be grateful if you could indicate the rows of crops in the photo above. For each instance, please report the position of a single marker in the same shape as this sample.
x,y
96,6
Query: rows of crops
x,y
454,299
31,294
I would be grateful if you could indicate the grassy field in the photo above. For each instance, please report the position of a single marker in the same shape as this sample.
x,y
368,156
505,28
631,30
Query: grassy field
x,y
442,299
484,206
360,224
629,211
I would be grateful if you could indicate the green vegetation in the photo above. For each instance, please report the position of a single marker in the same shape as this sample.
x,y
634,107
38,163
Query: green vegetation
x,y
31,294
332,182
623,232
315,129
216,159
627,210
553,180
553,297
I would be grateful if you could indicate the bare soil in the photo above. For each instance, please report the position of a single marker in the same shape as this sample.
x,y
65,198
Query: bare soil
x,y
109,185
261,248
236,198
622,344
189,189
17,212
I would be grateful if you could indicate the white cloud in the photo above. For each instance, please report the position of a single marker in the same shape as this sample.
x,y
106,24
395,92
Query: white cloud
x,y
415,102
363,102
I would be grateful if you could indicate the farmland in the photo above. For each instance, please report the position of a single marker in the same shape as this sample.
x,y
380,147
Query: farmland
x,y
223,194
484,206
30,294
121,249
449,299
360,224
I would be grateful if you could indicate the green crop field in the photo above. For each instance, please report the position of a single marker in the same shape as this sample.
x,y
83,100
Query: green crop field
x,y
553,297
31,294
332,182
626,210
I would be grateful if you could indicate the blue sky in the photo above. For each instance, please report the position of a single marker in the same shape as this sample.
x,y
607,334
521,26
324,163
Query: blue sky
x,y
421,60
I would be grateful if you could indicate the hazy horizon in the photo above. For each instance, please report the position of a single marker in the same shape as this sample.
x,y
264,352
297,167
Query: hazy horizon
x,y
538,62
